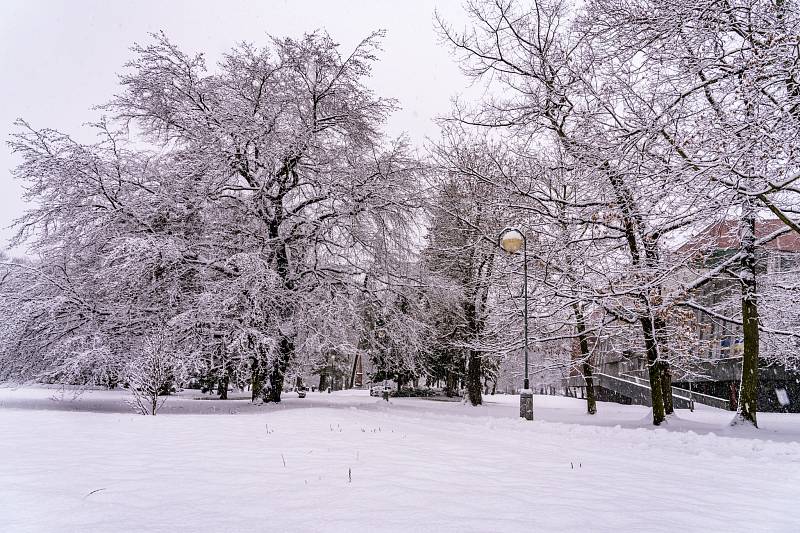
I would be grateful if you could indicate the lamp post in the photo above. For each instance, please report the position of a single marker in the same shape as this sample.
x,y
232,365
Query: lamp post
x,y
512,240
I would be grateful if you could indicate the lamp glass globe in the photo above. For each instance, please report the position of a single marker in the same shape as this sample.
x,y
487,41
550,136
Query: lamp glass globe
x,y
512,241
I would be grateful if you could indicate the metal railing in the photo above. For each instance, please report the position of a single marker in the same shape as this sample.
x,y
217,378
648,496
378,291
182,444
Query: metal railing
x,y
638,390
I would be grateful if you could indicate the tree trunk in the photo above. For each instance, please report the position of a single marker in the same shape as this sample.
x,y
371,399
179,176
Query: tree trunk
x,y
450,385
224,379
654,371
285,351
665,374
256,380
633,225
748,391
352,381
222,385
474,379
591,402
286,344
474,370
652,260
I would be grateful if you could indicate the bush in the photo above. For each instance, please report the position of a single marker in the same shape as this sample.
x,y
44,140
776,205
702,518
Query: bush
x,y
151,374
413,392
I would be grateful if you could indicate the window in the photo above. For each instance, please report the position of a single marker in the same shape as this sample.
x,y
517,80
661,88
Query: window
x,y
789,261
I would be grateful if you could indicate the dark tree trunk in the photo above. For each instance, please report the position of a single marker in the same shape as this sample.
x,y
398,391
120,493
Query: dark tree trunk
x,y
665,375
224,378
286,344
748,391
450,383
633,226
285,351
474,379
222,385
474,370
652,260
352,380
654,371
591,402
256,380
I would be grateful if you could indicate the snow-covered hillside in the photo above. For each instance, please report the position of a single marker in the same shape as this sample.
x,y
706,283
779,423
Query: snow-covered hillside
x,y
348,462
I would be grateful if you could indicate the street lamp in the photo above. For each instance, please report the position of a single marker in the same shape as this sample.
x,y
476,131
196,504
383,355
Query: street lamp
x,y
512,241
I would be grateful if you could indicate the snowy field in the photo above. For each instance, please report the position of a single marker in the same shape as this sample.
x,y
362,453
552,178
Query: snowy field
x,y
348,462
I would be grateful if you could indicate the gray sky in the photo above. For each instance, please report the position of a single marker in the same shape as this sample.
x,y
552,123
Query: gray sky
x,y
58,59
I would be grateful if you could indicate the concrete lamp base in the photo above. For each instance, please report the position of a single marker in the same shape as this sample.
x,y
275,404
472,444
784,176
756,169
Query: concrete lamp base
x,y
526,404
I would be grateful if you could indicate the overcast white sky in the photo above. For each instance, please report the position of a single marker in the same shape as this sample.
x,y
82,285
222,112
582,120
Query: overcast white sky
x,y
58,59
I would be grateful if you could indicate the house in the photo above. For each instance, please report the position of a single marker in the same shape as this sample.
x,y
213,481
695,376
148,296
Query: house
x,y
778,262
714,377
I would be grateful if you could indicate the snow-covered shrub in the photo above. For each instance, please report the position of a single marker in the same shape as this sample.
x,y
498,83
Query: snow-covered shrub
x,y
151,374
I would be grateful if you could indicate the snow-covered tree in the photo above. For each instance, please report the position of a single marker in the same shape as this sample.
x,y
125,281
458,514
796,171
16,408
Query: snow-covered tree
x,y
223,203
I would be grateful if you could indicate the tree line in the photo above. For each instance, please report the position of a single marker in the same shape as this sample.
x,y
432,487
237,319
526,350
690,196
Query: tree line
x,y
256,221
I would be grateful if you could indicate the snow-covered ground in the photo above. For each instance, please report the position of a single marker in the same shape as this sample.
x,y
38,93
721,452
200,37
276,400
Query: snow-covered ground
x,y
348,462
